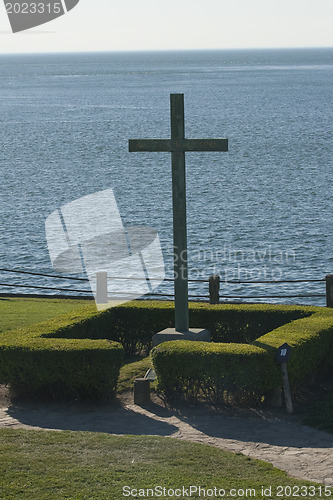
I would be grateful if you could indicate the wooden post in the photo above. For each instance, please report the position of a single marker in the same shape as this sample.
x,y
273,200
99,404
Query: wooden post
x,y
282,357
286,388
179,215
214,289
329,290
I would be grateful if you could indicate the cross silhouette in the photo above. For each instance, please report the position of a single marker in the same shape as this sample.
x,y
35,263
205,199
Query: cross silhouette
x,y
177,146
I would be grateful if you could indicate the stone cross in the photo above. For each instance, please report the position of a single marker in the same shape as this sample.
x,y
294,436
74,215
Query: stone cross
x,y
177,146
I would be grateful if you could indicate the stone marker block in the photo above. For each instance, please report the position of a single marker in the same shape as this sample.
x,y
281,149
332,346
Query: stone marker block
x,y
171,334
141,391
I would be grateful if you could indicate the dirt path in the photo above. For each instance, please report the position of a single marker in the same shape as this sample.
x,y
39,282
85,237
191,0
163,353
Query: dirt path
x,y
272,436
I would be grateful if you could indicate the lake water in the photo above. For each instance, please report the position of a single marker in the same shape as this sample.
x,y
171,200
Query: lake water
x,y
262,211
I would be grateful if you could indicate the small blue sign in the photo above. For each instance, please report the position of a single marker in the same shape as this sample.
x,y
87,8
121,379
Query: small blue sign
x,y
283,353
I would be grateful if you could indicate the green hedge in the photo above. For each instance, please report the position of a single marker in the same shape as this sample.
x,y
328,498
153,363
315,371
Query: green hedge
x,y
37,364
214,371
79,354
242,323
134,323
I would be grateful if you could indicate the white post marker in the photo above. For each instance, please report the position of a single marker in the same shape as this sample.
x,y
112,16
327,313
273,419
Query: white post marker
x,y
101,288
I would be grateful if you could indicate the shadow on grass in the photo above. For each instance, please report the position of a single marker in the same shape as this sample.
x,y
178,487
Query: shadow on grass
x,y
111,418
271,427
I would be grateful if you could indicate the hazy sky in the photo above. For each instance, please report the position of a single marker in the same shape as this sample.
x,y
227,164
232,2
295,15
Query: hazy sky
x,y
106,25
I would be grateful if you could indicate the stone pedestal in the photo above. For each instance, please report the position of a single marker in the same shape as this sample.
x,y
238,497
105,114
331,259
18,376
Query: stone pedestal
x,y
171,334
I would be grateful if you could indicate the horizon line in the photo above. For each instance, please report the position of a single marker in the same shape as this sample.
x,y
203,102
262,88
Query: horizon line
x,y
156,51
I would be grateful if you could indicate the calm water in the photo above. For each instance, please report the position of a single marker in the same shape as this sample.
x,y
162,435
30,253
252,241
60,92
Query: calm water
x,y
261,211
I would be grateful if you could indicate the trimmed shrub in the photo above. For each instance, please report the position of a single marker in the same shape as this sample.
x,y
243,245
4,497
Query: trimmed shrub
x,y
210,371
242,323
214,371
134,323
79,354
37,365
311,340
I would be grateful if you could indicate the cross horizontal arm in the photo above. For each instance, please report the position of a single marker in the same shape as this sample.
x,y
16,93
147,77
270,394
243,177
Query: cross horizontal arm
x,y
177,145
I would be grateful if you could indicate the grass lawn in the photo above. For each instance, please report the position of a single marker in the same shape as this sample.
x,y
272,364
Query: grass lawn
x,y
133,368
19,312
84,465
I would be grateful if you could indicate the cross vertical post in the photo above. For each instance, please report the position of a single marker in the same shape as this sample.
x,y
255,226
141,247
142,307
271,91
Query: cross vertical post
x,y
179,215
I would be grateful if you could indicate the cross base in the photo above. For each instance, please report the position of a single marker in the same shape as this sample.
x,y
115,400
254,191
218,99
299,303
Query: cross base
x,y
198,334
